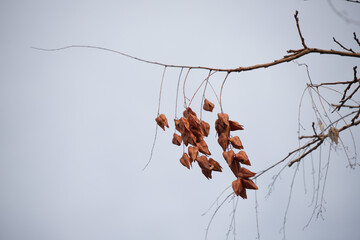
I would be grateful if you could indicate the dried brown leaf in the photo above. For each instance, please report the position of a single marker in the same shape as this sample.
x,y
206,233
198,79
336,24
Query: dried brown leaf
x,y
334,135
249,184
243,158
185,160
245,173
176,139
193,152
203,147
208,106
235,126
205,127
215,164
236,143
161,120
223,141
229,156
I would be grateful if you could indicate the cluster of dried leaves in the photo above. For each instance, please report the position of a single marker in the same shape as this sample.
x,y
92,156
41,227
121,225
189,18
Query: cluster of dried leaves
x,y
192,132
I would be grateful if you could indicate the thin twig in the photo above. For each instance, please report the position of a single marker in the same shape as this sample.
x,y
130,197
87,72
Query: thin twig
x,y
295,54
216,210
177,92
221,89
356,39
298,28
347,49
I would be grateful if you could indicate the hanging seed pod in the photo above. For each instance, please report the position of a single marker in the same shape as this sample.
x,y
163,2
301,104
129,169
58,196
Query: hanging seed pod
x,y
161,120
245,173
177,125
242,158
215,164
237,186
184,125
229,157
243,193
194,121
189,138
236,143
235,168
193,152
235,126
223,141
249,184
176,139
207,173
188,111
185,160
222,124
208,106
205,127
203,147
203,162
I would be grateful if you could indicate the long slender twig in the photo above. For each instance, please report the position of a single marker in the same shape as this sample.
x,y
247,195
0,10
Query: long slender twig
x,y
342,46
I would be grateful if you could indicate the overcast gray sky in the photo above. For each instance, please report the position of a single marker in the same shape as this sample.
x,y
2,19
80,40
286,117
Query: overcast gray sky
x,y
77,125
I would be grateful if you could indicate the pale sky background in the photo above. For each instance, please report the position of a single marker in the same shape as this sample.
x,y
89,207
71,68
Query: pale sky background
x,y
76,126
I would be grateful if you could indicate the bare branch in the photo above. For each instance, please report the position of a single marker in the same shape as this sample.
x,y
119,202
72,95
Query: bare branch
x,y
298,28
356,39
347,49
353,1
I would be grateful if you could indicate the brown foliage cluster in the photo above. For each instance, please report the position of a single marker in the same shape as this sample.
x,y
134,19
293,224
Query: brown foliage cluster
x,y
192,131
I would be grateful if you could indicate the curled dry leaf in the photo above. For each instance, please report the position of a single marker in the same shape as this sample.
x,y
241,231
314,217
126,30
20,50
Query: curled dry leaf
x,y
249,184
235,126
334,135
207,173
205,127
161,120
193,152
203,162
185,160
208,106
176,139
245,173
188,111
223,141
243,158
203,147
215,164
229,156
236,143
